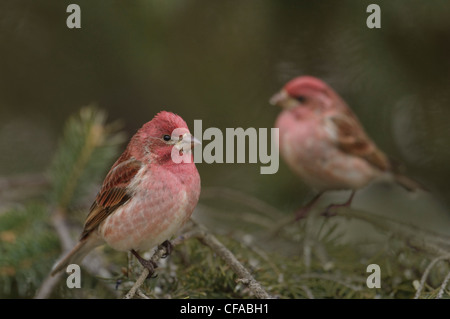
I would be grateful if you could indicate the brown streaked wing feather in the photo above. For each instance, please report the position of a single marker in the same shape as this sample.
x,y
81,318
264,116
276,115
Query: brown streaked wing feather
x,y
352,139
112,195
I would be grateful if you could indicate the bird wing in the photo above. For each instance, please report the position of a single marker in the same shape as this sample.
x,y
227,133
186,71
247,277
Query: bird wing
x,y
113,194
351,139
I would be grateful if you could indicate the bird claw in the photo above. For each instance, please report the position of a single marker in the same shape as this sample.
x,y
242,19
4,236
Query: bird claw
x,y
169,247
149,264
329,212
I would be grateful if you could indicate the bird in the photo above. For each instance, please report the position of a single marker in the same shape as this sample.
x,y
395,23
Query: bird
x,y
324,143
146,196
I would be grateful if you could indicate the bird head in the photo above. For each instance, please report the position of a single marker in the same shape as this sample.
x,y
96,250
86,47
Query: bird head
x,y
164,134
305,92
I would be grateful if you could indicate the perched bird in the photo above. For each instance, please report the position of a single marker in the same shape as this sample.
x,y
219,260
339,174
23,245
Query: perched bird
x,y
147,196
322,140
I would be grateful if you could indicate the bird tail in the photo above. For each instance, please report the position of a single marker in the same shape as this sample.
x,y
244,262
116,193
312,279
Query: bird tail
x,y
397,170
407,183
76,255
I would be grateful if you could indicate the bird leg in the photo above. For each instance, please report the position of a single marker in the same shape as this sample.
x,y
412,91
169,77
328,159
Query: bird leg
x,y
150,265
329,213
302,212
169,247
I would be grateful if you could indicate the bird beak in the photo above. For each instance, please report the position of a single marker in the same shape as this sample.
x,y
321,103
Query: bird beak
x,y
187,142
194,141
283,99
278,98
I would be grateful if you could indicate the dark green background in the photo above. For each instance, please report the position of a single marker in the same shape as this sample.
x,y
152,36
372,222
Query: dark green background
x,y
220,61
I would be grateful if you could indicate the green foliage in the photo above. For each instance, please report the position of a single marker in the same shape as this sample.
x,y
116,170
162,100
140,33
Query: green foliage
x,y
193,271
86,146
27,250
308,259
334,271
28,243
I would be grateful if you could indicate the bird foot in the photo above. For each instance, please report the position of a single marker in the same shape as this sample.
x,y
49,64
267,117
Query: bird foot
x,y
301,213
149,264
330,210
169,247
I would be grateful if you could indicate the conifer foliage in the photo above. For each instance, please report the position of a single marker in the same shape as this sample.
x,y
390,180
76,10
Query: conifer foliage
x,y
28,243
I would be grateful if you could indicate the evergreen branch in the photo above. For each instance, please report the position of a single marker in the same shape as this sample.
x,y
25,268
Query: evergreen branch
x,y
308,292
427,271
404,230
47,286
87,142
160,252
141,294
91,263
443,286
334,279
87,146
205,237
49,283
93,138
266,258
59,223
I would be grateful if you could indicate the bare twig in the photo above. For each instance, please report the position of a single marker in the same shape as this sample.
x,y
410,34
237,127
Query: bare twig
x,y
59,223
244,275
141,294
47,286
160,252
308,292
67,243
202,234
427,271
92,263
443,286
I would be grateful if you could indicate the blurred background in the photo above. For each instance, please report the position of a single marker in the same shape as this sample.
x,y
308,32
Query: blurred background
x,y
221,62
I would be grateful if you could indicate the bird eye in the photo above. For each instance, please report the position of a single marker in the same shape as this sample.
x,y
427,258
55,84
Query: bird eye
x,y
166,138
301,99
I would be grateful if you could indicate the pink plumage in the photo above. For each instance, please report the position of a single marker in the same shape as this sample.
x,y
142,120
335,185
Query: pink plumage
x,y
322,140
146,197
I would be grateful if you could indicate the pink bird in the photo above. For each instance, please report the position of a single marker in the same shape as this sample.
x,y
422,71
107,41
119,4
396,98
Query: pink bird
x,y
322,141
146,197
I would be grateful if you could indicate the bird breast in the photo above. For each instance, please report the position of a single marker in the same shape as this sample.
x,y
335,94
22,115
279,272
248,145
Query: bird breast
x,y
308,146
162,201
